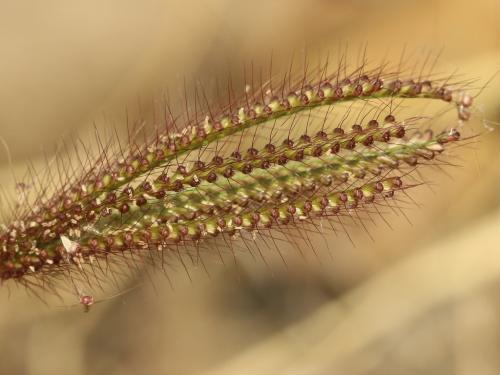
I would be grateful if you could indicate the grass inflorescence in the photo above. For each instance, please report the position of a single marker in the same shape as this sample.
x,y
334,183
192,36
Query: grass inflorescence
x,y
174,191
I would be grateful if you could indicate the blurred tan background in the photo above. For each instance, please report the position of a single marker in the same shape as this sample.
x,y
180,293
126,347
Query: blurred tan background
x,y
419,298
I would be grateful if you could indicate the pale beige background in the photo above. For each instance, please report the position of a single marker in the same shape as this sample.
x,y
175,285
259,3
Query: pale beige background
x,y
418,299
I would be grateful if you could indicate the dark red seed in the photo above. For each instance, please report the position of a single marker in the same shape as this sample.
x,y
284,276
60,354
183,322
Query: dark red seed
x,y
93,243
237,221
288,142
129,169
252,152
268,110
370,198
292,209
270,147
321,135
397,182
146,236
338,93
335,148
282,159
67,203
373,124
285,104
200,132
377,85
98,184
147,186
305,138
299,155
183,231
304,99
324,202
184,140
164,232
218,126
110,241
247,168
199,165
357,128
447,95
343,197
160,194
194,182
236,155
343,177
386,136
141,201
251,113
368,141
255,218
182,170
351,144
124,208
317,151
326,85
360,173
379,187
400,132
307,206
363,78
358,193
128,238
164,178
453,135
275,213
218,160
358,90
338,131
111,197
172,146
212,177
390,118
265,164
221,223
412,161
177,186
396,85
228,172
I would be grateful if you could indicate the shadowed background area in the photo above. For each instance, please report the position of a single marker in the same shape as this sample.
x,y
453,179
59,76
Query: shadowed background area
x,y
410,298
